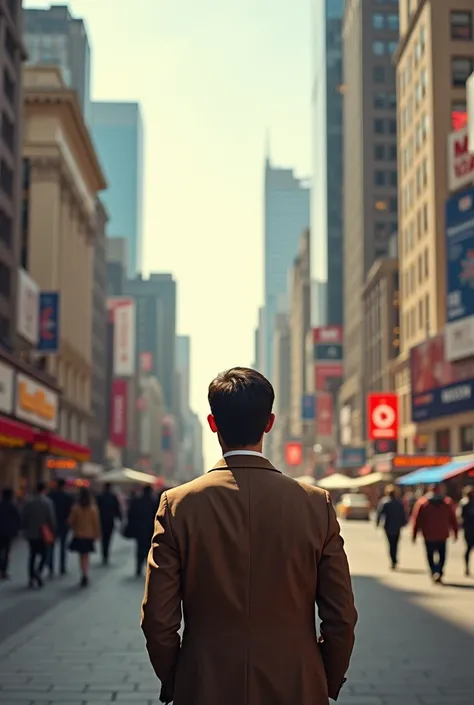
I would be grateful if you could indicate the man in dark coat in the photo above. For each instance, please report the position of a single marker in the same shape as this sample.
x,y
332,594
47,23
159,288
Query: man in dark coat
x,y
140,524
391,512
10,524
109,511
62,503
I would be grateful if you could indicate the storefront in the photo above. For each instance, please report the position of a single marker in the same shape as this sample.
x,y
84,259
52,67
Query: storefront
x,y
395,466
29,412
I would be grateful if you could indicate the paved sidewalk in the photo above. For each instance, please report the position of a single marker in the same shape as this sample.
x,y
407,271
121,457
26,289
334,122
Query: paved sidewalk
x,y
415,641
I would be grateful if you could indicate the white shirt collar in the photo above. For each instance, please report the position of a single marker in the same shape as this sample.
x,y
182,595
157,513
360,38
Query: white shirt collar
x,y
243,452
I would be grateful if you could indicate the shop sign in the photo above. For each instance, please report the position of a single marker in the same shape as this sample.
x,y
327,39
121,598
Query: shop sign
x,y
460,161
412,462
351,457
382,411
7,377
35,403
294,453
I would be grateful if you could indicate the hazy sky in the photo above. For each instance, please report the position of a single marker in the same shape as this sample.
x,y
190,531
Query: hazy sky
x,y
211,76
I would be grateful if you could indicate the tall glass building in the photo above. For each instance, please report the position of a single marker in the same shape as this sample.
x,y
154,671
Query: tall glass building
x,y
327,146
117,133
286,217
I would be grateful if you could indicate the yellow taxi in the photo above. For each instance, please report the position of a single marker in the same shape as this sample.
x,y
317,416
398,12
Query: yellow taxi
x,y
354,506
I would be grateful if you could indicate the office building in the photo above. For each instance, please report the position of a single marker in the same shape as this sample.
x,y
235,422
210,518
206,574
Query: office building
x,y
326,189
155,299
117,264
11,57
54,37
183,367
300,324
117,132
370,38
282,385
434,61
98,432
286,217
319,303
62,181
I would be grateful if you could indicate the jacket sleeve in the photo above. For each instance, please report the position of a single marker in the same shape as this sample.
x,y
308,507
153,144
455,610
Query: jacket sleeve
x,y
161,607
453,519
336,609
416,518
51,515
380,511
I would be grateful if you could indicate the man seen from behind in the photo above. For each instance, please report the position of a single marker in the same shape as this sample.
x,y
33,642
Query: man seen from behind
x,y
244,553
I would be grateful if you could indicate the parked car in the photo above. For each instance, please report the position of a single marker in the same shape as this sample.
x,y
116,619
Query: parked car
x,y
354,506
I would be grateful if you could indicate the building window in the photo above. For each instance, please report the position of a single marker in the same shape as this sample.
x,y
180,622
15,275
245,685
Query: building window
x,y
426,267
378,20
381,205
392,152
379,101
379,152
443,441
10,45
391,100
392,47
393,178
6,179
458,115
378,48
8,132
379,74
427,313
393,205
461,25
4,280
6,229
461,69
392,127
420,315
392,22
425,218
379,127
379,178
8,86
466,439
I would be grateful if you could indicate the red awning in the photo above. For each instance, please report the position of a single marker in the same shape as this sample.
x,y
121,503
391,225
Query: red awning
x,y
14,434
56,445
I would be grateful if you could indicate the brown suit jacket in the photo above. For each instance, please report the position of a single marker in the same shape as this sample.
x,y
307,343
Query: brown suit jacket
x,y
245,552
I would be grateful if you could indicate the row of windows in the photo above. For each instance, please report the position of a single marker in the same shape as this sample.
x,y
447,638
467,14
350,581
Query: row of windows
x,y
417,319
413,147
384,100
385,126
380,48
385,152
461,25
407,241
388,205
461,69
405,75
416,275
385,178
381,20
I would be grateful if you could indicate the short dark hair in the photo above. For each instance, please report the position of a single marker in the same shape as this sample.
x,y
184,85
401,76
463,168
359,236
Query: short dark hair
x,y
241,402
61,484
40,487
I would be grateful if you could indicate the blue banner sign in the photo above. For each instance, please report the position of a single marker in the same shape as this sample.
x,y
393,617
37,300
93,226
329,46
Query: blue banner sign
x,y
49,322
327,352
443,401
351,457
460,256
308,407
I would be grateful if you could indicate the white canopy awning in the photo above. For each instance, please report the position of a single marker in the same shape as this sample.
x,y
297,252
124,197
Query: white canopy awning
x,y
127,476
336,482
308,479
367,480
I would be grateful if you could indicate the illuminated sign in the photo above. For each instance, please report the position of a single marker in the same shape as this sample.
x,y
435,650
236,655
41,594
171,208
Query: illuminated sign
x,y
420,461
35,403
61,464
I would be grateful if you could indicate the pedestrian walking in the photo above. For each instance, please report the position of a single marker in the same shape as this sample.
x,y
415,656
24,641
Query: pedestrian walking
x,y
434,516
10,524
62,503
85,526
110,512
140,525
39,525
243,552
467,523
391,512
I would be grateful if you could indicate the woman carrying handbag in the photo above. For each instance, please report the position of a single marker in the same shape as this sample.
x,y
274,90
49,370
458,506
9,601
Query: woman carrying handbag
x,y
85,526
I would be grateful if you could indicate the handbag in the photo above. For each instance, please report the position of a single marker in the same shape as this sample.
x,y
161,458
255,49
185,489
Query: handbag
x,y
47,534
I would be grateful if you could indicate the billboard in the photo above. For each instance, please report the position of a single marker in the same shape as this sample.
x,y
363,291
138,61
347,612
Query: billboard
x,y
122,312
146,362
351,457
382,416
460,276
460,161
294,453
328,377
48,322
118,413
328,352
439,388
327,335
325,416
35,403
308,407
27,308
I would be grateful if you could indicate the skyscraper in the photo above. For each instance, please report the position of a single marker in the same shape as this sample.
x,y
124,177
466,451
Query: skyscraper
x,y
370,38
117,132
286,217
54,36
326,191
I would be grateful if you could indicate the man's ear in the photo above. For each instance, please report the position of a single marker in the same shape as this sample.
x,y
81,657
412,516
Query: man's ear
x,y
212,423
270,423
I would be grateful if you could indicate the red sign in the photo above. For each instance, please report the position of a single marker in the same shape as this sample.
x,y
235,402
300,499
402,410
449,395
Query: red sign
x,y
294,453
382,411
146,362
118,413
326,375
327,335
460,160
324,414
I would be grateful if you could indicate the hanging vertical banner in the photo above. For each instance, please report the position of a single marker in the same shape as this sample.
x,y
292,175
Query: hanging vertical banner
x,y
325,417
294,453
308,407
118,413
48,322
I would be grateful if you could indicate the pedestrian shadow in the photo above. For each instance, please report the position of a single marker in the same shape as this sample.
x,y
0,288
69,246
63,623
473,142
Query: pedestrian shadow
x,y
410,571
460,586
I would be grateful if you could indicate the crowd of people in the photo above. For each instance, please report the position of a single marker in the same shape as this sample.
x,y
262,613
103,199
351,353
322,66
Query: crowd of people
x,y
57,521
435,516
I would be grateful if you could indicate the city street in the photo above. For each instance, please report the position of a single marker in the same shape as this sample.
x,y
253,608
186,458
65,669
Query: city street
x,y
414,640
